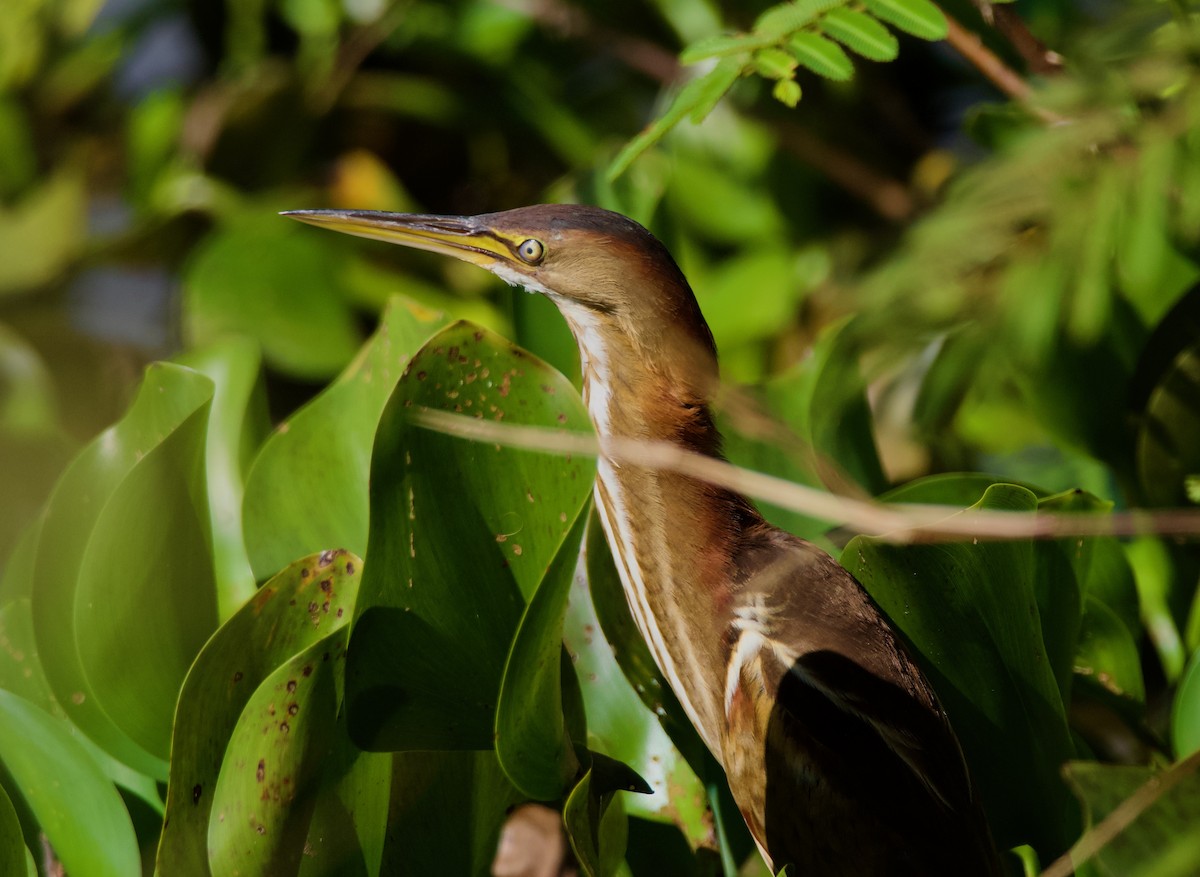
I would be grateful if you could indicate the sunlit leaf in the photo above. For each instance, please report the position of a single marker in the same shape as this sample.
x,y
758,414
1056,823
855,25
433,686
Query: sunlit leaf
x,y
822,56
787,17
12,843
74,803
461,532
1185,712
918,17
42,234
288,301
695,100
307,488
971,614
1162,841
237,424
265,793
126,538
861,34
531,738
297,610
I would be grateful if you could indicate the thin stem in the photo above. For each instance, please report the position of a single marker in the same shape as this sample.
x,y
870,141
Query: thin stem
x,y
987,62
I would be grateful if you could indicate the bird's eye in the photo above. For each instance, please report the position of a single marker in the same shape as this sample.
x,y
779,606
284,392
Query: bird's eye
x,y
531,251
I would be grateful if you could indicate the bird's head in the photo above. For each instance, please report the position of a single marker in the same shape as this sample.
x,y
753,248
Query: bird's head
x,y
605,272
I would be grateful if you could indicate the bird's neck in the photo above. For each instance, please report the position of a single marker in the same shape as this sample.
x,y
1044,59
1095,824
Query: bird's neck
x,y
672,537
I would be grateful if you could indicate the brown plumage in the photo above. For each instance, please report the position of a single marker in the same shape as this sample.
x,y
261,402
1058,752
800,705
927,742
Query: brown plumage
x,y
837,752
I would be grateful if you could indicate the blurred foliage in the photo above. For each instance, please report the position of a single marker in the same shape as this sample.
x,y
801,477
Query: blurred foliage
x,y
922,288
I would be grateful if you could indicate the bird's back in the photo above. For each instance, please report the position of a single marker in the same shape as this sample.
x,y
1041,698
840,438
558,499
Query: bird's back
x,y
841,759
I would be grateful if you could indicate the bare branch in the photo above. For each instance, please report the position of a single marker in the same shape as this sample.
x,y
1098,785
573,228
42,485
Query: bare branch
x,y
900,523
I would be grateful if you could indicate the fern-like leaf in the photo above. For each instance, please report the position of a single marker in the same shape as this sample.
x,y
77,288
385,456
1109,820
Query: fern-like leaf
x,y
917,17
778,21
861,33
725,45
696,99
821,56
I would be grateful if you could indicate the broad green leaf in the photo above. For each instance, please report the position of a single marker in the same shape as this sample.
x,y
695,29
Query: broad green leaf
x,y
723,296
787,17
307,488
918,17
446,812
12,843
265,279
950,488
817,429
265,793
595,820
41,235
821,56
695,101
348,830
1168,436
1162,841
1185,711
1108,653
237,424
461,532
303,605
21,674
74,804
971,615
861,33
125,538
531,740
620,725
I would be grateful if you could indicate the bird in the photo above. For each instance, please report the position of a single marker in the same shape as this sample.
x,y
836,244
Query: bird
x,y
835,747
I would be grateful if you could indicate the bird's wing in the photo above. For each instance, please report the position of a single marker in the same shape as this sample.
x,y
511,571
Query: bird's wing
x,y
839,704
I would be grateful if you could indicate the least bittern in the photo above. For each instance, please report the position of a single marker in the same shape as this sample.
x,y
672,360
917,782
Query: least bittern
x,y
836,750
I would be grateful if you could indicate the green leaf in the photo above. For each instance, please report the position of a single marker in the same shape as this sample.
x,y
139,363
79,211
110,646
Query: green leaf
x,y
620,725
861,34
74,804
917,17
531,737
1108,652
970,613
237,423
21,674
304,605
41,236
774,63
1185,712
818,428
461,532
723,45
12,843
695,101
787,17
349,825
787,92
823,57
1162,841
595,821
285,302
307,487
128,516
264,795
446,812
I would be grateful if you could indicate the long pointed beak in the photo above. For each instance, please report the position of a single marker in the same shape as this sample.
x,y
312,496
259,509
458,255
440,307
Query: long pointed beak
x,y
463,237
